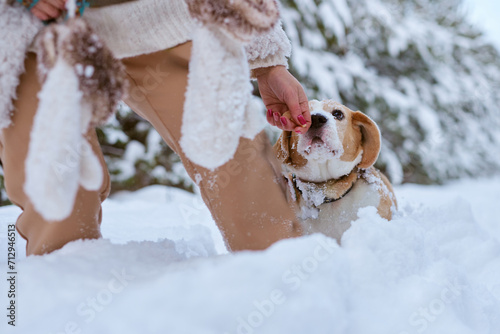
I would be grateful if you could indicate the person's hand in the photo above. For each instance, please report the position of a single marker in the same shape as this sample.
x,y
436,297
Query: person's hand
x,y
285,99
48,9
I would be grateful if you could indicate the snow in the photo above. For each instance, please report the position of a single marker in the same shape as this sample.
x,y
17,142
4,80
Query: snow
x,y
162,268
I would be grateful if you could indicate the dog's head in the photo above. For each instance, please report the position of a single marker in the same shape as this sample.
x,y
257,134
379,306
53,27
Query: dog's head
x,y
339,140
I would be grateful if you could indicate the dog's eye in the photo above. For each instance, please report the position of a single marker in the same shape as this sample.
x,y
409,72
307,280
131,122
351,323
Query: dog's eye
x,y
339,115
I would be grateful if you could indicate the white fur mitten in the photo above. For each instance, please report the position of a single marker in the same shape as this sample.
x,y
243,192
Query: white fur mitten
x,y
82,84
218,108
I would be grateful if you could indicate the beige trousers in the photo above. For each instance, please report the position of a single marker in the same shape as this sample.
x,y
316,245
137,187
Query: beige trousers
x,y
244,196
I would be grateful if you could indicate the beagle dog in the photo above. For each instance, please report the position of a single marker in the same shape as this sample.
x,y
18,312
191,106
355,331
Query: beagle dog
x,y
329,169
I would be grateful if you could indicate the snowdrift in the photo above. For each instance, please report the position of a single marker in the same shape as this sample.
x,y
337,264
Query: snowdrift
x,y
162,268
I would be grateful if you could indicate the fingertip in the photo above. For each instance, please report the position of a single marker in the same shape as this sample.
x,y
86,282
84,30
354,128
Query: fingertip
x,y
284,121
269,113
302,120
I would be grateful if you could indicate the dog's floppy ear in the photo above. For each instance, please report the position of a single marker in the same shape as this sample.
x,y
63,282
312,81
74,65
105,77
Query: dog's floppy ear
x,y
286,151
282,147
370,140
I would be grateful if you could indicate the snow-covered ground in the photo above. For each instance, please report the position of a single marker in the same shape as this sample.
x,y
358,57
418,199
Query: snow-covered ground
x,y
162,268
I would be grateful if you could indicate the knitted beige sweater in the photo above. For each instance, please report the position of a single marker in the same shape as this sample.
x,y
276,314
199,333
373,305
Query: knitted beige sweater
x,y
146,26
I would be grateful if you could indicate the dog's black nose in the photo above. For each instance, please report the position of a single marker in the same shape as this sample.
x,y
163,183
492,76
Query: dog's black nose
x,y
318,121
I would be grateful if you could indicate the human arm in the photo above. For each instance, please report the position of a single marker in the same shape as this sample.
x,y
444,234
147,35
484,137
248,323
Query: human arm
x,y
280,91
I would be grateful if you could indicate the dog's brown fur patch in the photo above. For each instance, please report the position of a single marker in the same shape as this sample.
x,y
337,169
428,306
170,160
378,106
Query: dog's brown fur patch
x,y
286,150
